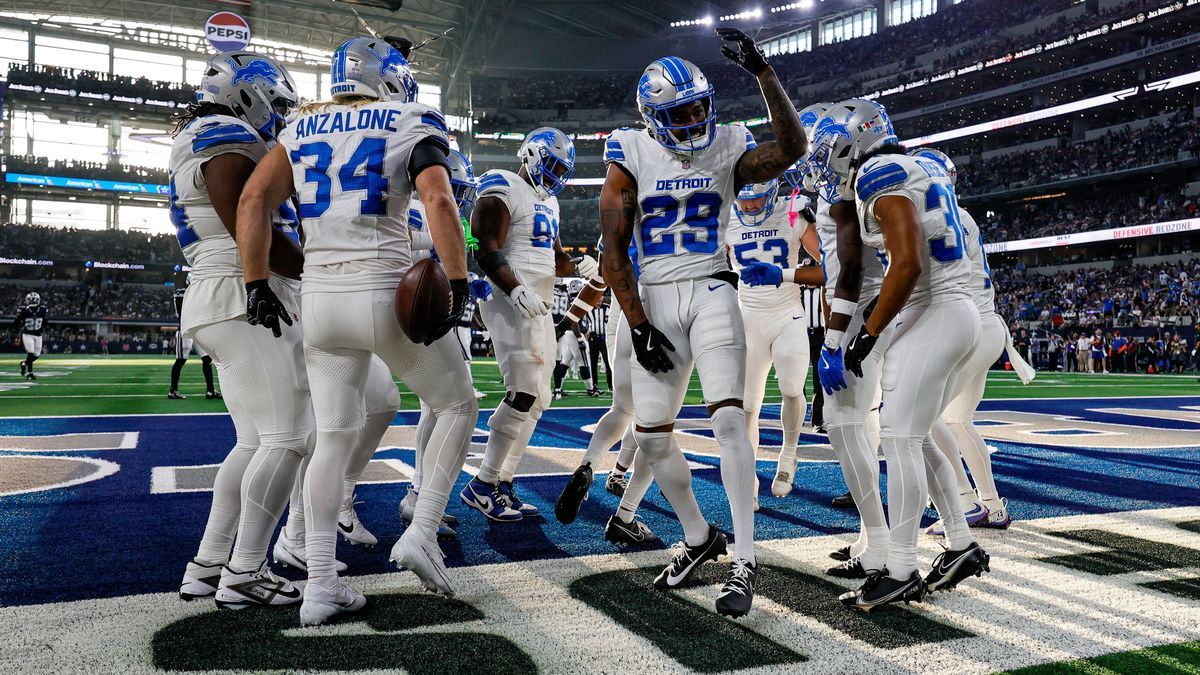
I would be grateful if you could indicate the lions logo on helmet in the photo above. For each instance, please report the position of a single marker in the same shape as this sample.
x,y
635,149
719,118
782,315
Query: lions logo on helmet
x,y
677,105
756,202
847,132
255,88
371,68
939,157
809,117
462,181
549,158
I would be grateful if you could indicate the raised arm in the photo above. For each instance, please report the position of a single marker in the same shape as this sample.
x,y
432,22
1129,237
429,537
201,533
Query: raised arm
x,y
772,158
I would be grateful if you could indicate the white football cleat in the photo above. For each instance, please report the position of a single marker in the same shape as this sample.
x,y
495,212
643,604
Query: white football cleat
x,y
423,557
352,528
291,553
258,588
199,580
321,604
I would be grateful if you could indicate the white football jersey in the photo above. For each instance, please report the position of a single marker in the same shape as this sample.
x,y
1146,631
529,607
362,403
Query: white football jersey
x,y
350,168
532,225
831,267
947,271
422,241
684,201
776,241
206,244
981,274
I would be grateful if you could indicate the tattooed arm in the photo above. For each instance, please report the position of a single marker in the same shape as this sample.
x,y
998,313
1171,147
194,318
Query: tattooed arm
x,y
618,213
772,158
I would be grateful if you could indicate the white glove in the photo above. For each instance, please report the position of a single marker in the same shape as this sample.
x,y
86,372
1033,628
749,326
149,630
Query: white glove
x,y
587,267
528,303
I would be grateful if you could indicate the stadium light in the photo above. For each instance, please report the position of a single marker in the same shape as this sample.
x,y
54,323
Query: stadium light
x,y
803,4
702,21
748,14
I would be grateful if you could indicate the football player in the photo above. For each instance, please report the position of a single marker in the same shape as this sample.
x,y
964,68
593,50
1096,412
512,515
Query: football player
x,y
241,103
764,243
516,220
184,347
31,321
355,161
906,207
669,188
572,347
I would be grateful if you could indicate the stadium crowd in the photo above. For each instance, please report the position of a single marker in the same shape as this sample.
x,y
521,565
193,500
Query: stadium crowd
x,y
1099,210
94,301
56,243
103,83
1115,150
91,170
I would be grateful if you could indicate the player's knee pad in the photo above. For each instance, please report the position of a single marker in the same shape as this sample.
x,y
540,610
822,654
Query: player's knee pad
x,y
653,445
520,400
791,386
508,420
294,440
728,422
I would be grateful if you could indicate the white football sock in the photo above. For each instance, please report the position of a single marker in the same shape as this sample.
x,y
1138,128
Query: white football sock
x,y
324,492
629,447
424,429
517,453
505,424
975,451
442,462
940,478
222,524
737,475
907,491
861,471
639,482
611,426
791,415
294,529
674,477
266,487
945,440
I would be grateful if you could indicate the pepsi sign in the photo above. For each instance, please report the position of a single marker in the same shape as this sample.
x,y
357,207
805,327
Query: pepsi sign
x,y
227,32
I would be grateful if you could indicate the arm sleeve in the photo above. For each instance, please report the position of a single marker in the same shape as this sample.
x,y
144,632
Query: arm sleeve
x,y
618,151
430,151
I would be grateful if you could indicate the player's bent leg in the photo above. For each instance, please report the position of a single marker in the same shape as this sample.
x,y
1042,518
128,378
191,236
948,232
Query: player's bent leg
x,y
790,355
758,366
623,527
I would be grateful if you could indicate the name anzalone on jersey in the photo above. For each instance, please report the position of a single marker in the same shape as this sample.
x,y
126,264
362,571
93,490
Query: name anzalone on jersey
x,y
925,183
685,201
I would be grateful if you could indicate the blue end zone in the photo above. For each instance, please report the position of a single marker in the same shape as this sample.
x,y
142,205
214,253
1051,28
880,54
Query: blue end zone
x,y
113,537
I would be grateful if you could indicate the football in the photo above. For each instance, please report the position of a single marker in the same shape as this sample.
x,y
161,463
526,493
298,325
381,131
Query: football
x,y
422,299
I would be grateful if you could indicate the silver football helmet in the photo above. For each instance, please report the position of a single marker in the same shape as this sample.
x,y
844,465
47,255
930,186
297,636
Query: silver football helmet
x,y
549,158
756,202
462,181
842,137
939,157
32,299
257,89
372,68
809,117
677,105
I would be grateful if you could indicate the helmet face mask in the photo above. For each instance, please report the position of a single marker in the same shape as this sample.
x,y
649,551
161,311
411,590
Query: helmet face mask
x,y
841,138
756,202
32,299
548,157
255,88
462,182
677,105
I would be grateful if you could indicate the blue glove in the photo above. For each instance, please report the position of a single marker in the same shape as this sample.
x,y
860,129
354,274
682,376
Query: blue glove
x,y
831,371
762,274
481,290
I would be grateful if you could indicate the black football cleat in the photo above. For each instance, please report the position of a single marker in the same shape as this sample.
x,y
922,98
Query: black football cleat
x,y
688,558
23,366
881,589
573,494
737,594
850,569
210,395
951,567
845,501
842,553
632,533
175,395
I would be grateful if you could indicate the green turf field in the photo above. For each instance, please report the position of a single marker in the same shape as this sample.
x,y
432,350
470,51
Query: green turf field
x,y
96,385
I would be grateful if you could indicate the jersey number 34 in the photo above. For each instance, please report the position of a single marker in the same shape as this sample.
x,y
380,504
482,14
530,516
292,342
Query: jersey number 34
x,y
362,172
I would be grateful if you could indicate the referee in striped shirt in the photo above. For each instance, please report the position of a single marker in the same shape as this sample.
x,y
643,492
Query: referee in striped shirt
x,y
593,325
811,297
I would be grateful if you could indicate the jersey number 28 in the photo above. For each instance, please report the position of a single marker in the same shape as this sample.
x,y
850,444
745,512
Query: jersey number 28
x,y
362,172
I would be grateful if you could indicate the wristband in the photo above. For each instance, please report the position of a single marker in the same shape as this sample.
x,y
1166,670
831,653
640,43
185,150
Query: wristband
x,y
842,306
833,338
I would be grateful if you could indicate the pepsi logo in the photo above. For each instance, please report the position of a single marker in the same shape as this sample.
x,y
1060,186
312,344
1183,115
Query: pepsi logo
x,y
227,32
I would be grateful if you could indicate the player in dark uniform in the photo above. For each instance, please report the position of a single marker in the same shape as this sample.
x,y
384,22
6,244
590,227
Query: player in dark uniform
x,y
31,319
184,348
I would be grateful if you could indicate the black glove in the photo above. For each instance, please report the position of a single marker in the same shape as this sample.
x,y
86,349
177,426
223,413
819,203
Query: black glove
x,y
859,349
748,55
263,307
460,293
807,214
650,346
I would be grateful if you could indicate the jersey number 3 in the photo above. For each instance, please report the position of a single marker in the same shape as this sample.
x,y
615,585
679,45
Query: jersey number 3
x,y
362,172
699,215
944,250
